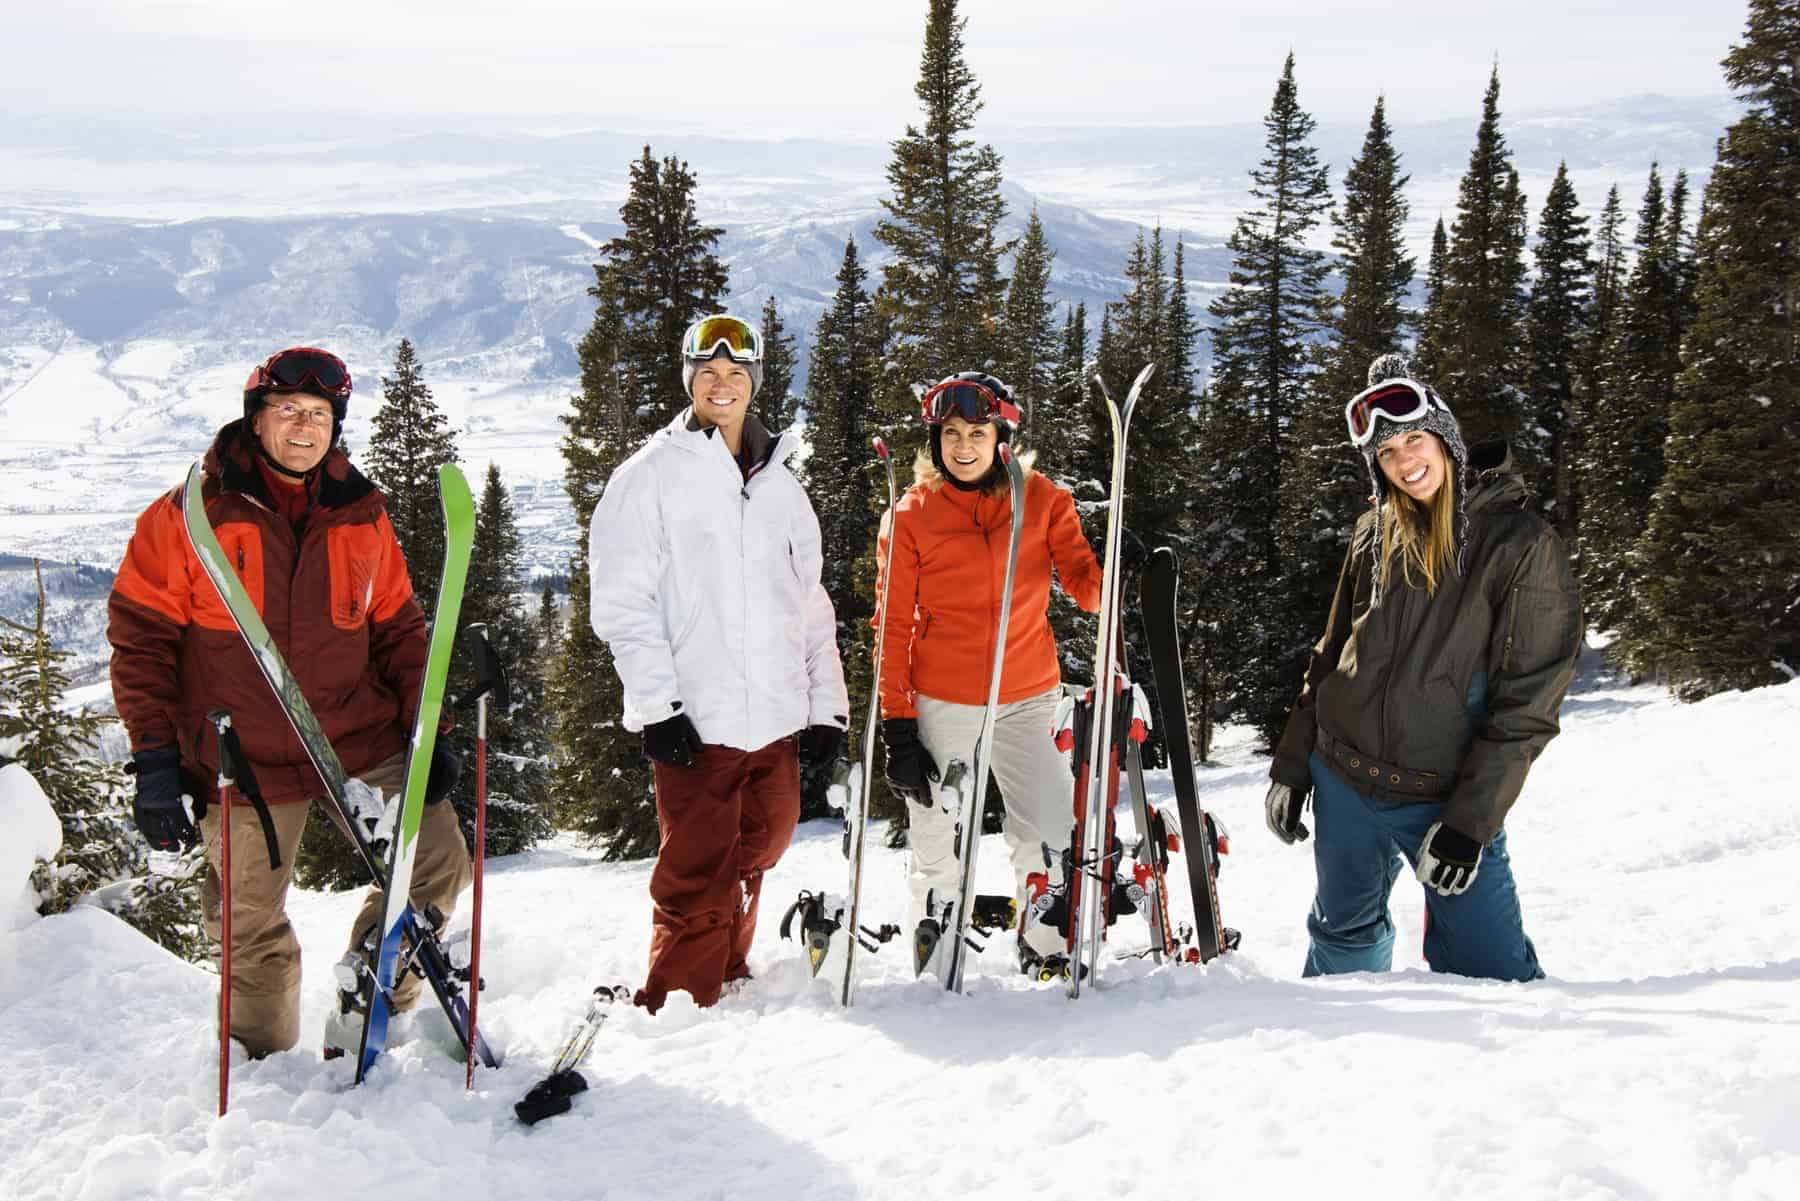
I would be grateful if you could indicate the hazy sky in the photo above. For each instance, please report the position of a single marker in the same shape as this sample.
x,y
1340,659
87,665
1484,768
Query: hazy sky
x,y
844,67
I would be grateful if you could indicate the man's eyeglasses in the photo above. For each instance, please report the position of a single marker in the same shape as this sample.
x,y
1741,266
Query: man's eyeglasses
x,y
295,414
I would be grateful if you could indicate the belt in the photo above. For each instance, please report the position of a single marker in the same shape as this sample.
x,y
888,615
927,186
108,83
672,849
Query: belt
x,y
1372,777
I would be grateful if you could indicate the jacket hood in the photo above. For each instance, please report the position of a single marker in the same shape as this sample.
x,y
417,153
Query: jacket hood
x,y
1495,479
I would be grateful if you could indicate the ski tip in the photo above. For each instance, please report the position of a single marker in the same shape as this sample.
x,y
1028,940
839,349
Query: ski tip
x,y
880,448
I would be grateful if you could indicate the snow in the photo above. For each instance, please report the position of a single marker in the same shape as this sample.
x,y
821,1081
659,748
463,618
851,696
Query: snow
x,y
32,833
1654,847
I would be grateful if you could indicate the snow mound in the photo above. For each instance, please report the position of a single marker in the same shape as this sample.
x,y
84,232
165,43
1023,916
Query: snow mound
x,y
32,833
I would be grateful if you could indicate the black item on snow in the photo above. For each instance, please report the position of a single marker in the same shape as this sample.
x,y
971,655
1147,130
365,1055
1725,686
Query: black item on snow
x,y
554,1093
1201,843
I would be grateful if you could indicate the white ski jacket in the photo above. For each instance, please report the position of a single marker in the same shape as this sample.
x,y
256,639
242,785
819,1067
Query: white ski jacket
x,y
707,589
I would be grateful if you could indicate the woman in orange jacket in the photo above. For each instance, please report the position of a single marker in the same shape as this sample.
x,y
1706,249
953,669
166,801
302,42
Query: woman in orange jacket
x,y
950,533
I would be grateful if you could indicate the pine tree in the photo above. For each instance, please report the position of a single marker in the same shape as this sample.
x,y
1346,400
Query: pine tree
x,y
600,784
942,295
518,734
103,860
665,275
410,441
1330,484
1028,340
1602,317
1627,421
844,481
1480,318
776,400
1555,331
1428,356
1261,367
1720,557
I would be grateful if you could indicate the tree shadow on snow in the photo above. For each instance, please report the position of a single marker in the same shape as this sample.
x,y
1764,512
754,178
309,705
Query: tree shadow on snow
x,y
635,1138
1155,1013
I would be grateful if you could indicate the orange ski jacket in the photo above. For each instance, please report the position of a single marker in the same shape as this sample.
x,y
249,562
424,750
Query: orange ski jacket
x,y
949,570
336,598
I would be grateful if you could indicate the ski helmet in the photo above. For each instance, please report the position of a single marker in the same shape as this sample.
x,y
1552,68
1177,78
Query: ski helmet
x,y
301,369
976,397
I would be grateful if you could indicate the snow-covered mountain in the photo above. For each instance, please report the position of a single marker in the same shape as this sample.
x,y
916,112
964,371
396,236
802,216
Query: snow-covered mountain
x,y
144,268
1654,849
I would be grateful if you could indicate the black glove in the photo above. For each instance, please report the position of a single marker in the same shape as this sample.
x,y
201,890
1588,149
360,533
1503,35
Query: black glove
x,y
1282,808
673,741
910,768
157,808
446,771
1448,860
821,744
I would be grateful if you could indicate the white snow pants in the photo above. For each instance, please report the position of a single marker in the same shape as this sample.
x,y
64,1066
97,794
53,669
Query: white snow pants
x,y
1035,783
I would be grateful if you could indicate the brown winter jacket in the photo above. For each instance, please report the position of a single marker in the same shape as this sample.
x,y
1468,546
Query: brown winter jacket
x,y
1465,683
949,570
337,600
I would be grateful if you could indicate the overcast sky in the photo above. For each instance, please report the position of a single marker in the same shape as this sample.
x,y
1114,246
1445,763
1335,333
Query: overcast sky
x,y
844,67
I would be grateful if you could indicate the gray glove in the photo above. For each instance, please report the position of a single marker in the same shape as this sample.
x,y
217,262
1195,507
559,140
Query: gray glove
x,y
1448,860
1283,807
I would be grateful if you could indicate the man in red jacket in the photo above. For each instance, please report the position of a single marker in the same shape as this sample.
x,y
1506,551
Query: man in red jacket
x,y
310,537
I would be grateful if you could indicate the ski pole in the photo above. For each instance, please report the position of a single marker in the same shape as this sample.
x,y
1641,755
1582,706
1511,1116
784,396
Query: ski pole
x,y
490,678
221,721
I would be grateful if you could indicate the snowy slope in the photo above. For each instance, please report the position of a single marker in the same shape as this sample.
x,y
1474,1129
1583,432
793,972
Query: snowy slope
x,y
1655,848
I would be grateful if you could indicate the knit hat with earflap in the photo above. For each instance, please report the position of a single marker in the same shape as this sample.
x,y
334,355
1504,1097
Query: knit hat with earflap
x,y
1397,368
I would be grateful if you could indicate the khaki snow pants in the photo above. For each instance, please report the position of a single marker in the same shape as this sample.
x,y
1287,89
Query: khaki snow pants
x,y
724,821
265,954
1035,783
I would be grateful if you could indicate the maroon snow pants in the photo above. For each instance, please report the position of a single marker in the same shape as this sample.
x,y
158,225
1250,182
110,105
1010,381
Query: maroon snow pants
x,y
725,821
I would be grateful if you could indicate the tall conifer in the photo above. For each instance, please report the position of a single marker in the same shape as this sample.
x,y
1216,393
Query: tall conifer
x,y
1555,331
1266,319
1720,557
410,441
776,401
943,293
1367,319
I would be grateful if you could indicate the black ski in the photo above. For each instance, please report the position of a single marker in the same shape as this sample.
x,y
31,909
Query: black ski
x,y
1200,836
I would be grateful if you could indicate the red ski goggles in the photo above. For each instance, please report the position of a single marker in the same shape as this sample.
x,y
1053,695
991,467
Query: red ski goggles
x,y
741,340
1398,400
302,368
969,400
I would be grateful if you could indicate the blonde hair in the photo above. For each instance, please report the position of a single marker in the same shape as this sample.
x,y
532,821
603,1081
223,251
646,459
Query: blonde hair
x,y
1421,538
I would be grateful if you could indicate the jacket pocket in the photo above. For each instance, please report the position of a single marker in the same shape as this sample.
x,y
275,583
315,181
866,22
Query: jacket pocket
x,y
242,543
354,554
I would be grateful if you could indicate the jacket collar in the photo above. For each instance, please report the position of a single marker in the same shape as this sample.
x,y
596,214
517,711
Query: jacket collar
x,y
336,482
765,448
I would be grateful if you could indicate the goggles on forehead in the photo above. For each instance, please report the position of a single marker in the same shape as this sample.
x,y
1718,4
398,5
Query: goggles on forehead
x,y
741,340
1398,400
302,367
969,400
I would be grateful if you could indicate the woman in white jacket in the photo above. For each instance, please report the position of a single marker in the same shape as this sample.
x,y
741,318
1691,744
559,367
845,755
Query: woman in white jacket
x,y
704,553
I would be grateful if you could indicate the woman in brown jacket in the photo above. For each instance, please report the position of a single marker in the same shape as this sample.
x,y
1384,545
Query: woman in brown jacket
x,y
1450,643
951,530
